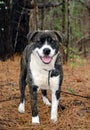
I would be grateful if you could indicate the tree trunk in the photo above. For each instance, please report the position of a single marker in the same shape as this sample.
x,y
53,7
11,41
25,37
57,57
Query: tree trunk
x,y
63,25
33,20
6,48
68,31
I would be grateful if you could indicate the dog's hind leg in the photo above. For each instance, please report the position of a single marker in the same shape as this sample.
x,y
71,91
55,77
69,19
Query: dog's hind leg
x,y
22,84
44,97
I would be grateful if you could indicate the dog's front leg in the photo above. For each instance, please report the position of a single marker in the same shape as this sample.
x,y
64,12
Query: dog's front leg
x,y
33,94
55,102
22,85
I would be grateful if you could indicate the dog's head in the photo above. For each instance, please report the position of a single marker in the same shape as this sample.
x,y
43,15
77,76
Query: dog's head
x,y
46,44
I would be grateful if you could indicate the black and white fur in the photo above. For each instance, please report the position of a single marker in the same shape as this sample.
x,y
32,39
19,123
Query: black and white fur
x,y
41,69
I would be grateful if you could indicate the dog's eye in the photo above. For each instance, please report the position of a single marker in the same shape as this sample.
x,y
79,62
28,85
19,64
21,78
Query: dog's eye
x,y
39,43
49,39
42,40
53,41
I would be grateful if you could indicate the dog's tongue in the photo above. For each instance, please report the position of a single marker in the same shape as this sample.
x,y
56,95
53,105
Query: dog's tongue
x,y
46,59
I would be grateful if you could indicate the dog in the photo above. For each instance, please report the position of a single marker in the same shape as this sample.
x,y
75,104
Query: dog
x,y
41,68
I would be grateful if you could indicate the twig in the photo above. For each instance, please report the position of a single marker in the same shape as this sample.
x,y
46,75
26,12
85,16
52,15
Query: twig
x,y
86,37
8,84
87,97
9,99
17,97
41,5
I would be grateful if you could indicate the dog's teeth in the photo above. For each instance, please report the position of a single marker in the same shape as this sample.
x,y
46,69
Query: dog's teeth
x,y
21,107
46,101
35,120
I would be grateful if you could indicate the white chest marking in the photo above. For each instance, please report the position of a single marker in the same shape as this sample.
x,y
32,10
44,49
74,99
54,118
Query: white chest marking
x,y
40,76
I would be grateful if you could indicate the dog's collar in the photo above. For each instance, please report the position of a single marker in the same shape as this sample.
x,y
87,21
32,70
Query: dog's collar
x,y
49,75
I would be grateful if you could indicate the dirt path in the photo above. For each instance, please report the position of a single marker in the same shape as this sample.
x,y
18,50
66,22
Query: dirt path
x,y
75,116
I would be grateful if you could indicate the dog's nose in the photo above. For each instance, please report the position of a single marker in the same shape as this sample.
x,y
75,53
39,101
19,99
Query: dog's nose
x,y
46,51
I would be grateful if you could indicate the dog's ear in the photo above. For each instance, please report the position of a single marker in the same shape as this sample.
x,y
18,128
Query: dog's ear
x,y
59,36
31,35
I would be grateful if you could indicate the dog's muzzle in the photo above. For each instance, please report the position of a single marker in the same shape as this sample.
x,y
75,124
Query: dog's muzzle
x,y
46,58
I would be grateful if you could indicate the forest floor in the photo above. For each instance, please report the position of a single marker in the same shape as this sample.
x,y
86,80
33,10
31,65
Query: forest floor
x,y
75,116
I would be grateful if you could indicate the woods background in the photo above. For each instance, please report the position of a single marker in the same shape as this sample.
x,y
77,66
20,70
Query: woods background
x,y
71,17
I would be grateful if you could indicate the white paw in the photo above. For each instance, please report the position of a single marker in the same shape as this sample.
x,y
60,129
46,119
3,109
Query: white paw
x,y
54,118
35,120
46,101
21,107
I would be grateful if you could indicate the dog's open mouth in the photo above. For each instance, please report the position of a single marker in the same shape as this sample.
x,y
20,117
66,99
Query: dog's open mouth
x,y
46,59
